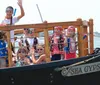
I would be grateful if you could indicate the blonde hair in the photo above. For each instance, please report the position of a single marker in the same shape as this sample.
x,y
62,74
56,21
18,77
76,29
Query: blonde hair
x,y
40,46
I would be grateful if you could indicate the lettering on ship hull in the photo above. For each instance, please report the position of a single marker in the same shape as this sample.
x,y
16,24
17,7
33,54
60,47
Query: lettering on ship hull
x,y
79,69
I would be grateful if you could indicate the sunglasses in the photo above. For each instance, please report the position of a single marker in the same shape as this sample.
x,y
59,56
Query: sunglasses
x,y
40,49
9,11
22,51
25,29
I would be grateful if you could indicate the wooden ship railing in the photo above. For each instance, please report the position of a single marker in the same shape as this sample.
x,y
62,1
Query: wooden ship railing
x,y
85,46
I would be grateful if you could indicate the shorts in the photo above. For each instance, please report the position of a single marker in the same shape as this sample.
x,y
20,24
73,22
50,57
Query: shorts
x,y
2,62
56,57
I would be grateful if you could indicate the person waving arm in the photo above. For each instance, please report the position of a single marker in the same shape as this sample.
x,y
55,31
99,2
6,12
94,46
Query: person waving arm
x,y
21,8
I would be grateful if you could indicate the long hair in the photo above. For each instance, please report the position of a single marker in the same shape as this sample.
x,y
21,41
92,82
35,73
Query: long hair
x,y
11,22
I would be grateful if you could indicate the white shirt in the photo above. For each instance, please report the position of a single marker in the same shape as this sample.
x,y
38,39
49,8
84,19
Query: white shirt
x,y
7,21
30,41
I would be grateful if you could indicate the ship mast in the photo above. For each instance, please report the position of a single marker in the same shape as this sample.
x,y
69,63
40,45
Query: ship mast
x,y
39,12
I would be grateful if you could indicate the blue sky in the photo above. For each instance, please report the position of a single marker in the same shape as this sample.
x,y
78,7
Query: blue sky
x,y
55,10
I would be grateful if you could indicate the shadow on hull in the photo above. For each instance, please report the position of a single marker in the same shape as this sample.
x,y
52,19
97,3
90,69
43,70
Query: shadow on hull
x,y
45,74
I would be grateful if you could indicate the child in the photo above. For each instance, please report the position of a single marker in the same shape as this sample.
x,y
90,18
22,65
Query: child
x,y
57,43
10,20
70,43
22,56
41,57
3,50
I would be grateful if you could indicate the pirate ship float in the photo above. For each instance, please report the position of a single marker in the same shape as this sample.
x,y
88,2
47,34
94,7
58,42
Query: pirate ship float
x,y
83,70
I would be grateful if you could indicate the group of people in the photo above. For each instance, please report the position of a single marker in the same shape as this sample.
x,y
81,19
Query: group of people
x,y
62,43
30,49
62,46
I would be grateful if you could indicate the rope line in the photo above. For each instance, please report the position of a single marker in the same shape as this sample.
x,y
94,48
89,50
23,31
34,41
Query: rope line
x,y
78,63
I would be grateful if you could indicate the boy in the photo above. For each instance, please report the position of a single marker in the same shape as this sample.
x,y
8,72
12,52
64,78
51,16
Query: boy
x,y
3,50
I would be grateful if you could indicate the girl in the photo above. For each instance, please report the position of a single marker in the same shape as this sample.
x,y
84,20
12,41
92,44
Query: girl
x,y
57,43
70,43
22,57
41,57
10,20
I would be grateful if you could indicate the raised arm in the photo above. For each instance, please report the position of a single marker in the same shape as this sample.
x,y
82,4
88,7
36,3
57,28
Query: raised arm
x,y
39,60
21,9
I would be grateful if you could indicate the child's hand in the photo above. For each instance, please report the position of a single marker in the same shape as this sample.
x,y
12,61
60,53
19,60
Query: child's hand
x,y
26,61
32,50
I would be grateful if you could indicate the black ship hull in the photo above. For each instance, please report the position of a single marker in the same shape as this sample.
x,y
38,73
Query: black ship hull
x,y
54,73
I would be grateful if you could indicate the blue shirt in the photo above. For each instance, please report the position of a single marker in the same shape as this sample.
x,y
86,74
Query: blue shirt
x,y
67,48
3,50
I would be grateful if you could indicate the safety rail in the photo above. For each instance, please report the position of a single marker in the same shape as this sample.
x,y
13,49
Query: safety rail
x,y
83,27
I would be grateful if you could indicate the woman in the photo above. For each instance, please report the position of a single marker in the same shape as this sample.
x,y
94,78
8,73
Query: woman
x,y
29,40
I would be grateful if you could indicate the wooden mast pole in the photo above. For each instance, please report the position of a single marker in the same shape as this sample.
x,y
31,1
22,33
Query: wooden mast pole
x,y
39,12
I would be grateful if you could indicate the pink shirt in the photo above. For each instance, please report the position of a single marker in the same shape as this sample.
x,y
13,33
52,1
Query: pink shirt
x,y
55,49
